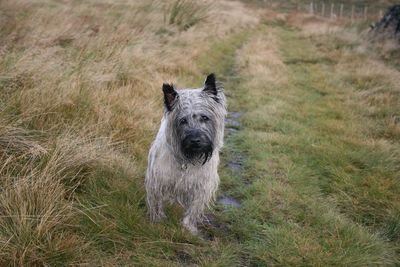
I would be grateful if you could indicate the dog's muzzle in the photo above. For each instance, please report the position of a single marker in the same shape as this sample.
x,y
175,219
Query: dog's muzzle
x,y
197,145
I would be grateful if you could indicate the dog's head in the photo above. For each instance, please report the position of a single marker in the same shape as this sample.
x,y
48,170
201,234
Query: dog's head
x,y
195,118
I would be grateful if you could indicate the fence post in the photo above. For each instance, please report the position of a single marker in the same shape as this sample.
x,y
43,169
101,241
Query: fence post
x,y
380,14
341,10
332,8
365,12
311,8
352,14
323,10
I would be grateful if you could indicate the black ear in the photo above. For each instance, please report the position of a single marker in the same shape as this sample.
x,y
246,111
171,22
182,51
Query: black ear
x,y
170,96
210,86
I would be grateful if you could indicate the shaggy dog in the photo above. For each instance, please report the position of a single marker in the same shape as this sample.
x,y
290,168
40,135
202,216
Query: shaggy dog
x,y
184,157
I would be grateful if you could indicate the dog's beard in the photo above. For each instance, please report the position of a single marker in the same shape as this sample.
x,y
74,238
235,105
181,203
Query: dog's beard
x,y
198,155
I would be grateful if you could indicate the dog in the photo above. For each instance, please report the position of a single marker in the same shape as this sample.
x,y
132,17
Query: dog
x,y
183,159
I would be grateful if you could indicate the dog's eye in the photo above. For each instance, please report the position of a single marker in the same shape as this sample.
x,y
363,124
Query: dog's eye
x,y
204,118
183,121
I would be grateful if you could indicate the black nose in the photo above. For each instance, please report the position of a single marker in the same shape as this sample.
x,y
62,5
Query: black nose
x,y
195,141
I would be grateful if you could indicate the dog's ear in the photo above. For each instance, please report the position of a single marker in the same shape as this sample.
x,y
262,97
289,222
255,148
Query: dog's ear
x,y
210,85
170,96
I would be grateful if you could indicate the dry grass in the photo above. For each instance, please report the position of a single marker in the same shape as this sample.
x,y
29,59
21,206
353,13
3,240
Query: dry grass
x,y
39,214
37,219
80,102
80,90
18,142
266,65
362,62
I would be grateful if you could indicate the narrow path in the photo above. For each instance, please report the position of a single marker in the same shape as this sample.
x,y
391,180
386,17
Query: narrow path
x,y
234,163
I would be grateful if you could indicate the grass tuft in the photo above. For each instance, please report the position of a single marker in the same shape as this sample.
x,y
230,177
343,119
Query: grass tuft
x,y
186,13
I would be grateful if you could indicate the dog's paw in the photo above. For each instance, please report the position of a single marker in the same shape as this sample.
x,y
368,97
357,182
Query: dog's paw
x,y
190,226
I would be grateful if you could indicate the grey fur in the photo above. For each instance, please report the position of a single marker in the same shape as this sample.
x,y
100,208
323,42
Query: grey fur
x,y
175,175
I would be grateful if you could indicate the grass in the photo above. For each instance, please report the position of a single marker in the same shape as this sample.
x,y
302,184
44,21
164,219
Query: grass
x,y
80,101
302,201
186,14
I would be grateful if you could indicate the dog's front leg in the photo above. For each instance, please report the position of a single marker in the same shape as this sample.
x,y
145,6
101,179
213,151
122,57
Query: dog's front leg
x,y
193,215
155,206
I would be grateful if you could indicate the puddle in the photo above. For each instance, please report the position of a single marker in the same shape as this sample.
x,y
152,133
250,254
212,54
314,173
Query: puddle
x,y
229,202
234,166
232,120
230,131
230,123
236,160
235,115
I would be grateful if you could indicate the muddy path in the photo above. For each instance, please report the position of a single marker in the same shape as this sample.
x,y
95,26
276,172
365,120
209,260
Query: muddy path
x,y
234,163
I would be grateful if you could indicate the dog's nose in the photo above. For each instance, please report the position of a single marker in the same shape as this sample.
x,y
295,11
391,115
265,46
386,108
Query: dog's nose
x,y
195,141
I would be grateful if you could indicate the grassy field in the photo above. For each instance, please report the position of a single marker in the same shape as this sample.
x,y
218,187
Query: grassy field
x,y
314,162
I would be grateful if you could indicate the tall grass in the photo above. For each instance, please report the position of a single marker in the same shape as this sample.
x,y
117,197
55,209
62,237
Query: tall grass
x,y
80,100
186,14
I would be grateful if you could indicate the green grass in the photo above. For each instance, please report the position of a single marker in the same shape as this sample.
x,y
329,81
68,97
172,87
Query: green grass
x,y
318,143
316,188
116,221
324,191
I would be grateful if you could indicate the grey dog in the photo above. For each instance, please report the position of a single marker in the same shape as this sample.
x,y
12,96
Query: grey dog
x,y
184,157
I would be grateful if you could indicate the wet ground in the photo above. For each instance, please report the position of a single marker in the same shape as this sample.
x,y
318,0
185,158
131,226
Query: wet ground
x,y
235,163
229,202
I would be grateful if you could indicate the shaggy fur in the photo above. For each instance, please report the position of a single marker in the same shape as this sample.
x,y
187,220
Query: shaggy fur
x,y
184,157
